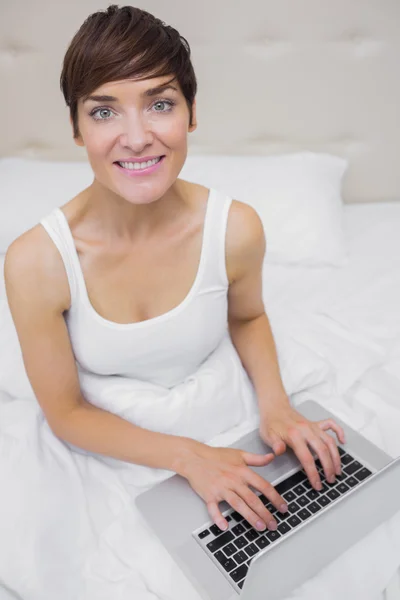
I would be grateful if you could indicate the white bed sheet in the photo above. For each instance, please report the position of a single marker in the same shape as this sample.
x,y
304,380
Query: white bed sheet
x,y
346,320
362,298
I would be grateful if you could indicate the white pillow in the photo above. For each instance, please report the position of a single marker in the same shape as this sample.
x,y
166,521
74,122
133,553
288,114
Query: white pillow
x,y
30,189
297,196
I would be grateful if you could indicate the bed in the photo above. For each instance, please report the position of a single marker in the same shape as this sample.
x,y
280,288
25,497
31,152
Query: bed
x,y
337,329
347,318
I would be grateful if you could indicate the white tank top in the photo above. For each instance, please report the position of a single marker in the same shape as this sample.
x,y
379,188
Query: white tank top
x,y
165,349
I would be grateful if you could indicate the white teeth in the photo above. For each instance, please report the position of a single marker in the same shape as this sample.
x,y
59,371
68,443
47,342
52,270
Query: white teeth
x,y
137,166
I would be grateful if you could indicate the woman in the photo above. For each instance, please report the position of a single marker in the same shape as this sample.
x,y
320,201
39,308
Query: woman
x,y
113,278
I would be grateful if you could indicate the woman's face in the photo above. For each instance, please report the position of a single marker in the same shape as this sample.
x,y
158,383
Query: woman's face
x,y
139,122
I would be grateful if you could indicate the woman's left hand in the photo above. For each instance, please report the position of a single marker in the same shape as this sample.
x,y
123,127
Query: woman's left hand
x,y
283,426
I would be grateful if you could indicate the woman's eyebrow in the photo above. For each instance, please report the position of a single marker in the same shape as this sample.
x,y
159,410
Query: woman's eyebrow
x,y
148,93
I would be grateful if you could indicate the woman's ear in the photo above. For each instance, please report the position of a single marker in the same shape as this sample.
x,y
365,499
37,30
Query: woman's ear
x,y
194,119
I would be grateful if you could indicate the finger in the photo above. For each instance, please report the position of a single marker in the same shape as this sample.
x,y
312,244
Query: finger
x,y
277,444
267,490
256,460
300,448
245,502
324,454
330,424
216,515
333,449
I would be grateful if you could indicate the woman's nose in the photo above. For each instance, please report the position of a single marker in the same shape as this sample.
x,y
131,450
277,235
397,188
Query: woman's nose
x,y
136,132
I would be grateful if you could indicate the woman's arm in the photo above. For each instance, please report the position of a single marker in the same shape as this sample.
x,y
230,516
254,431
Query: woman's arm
x,y
100,431
37,291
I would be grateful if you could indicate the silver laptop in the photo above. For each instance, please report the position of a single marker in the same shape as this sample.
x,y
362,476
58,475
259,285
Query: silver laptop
x,y
254,565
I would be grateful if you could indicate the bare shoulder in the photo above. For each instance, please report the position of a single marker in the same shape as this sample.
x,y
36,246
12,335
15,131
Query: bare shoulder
x,y
196,192
245,239
33,265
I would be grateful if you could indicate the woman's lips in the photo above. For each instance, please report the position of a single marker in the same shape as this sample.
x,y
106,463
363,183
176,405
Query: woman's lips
x,y
138,172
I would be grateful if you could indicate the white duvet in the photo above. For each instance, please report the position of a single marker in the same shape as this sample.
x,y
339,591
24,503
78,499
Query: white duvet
x,y
68,525
69,528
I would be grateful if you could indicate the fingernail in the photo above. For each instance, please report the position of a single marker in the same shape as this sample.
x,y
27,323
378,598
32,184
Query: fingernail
x,y
331,479
283,508
318,485
222,525
260,525
272,525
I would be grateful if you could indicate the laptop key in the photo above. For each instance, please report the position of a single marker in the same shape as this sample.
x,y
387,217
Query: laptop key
x,y
323,501
238,529
304,514
342,488
341,451
337,480
333,494
241,583
273,535
220,541
283,528
289,496
294,520
240,542
262,542
293,507
227,563
352,468
240,557
290,482
303,500
312,494
204,534
314,507
346,459
252,549
230,549
252,535
363,474
351,481
281,516
235,515
239,573
216,530
304,475
299,490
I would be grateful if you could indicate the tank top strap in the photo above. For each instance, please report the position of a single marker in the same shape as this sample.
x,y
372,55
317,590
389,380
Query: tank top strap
x,y
214,272
56,228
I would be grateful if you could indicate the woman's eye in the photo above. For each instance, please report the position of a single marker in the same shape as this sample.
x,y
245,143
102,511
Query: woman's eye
x,y
99,110
164,102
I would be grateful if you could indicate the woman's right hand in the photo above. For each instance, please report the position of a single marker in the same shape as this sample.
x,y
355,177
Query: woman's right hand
x,y
218,474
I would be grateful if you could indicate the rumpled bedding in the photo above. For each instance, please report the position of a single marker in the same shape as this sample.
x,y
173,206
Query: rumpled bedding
x,y
68,524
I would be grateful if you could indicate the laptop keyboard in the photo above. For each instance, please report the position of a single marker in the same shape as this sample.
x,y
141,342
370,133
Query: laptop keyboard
x,y
233,550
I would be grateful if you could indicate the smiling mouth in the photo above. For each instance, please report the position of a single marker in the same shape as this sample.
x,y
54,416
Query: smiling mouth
x,y
139,170
137,162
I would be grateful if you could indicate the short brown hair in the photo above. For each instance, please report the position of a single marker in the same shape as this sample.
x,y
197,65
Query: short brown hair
x,y
120,43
